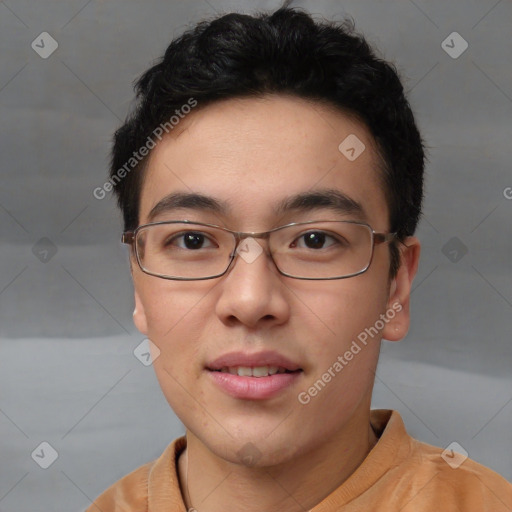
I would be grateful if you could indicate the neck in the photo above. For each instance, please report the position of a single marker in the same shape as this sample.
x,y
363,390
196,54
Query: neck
x,y
211,484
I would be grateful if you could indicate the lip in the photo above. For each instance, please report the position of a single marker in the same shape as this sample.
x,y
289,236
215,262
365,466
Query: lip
x,y
253,388
265,358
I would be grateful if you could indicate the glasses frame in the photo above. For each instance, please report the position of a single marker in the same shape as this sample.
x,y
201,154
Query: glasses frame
x,y
130,238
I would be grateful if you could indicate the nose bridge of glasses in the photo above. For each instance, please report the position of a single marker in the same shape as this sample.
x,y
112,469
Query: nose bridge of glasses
x,y
241,236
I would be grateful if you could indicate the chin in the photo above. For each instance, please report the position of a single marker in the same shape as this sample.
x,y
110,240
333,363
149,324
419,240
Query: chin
x,y
252,454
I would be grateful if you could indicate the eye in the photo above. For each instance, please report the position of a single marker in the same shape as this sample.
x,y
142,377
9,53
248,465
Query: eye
x,y
314,240
190,240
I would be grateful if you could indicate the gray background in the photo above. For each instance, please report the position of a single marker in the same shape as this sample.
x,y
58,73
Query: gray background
x,y
68,375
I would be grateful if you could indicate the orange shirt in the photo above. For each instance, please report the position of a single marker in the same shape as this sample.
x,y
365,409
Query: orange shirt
x,y
399,474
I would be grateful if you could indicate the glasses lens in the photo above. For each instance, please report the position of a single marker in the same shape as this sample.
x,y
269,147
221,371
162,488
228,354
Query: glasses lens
x,y
184,250
322,250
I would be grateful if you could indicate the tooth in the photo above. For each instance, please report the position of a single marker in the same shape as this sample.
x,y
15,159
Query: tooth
x,y
224,369
244,371
260,371
232,370
272,370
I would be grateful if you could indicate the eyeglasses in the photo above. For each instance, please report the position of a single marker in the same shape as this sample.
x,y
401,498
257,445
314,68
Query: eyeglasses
x,y
320,249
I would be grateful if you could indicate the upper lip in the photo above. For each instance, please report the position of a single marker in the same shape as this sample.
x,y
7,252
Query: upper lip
x,y
265,358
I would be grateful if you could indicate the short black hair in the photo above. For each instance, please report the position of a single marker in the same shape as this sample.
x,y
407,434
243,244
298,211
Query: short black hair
x,y
288,52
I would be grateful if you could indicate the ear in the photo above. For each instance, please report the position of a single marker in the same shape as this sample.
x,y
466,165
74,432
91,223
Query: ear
x,y
400,290
139,315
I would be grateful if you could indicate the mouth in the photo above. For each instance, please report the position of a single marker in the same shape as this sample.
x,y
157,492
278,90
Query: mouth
x,y
257,376
256,371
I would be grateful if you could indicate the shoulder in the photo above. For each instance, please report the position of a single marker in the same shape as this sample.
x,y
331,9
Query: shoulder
x,y
453,479
419,477
128,493
154,482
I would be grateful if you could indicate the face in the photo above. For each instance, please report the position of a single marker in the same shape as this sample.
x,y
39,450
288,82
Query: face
x,y
251,155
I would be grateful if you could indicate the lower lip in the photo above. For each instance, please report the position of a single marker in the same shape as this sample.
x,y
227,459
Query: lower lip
x,y
254,388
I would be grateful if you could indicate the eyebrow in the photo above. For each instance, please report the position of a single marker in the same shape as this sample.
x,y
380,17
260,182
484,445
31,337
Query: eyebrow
x,y
331,199
192,201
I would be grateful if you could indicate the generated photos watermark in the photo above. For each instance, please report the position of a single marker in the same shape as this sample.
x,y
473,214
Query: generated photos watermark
x,y
304,397
143,151
454,455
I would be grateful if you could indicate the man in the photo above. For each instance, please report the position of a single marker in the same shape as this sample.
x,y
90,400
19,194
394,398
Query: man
x,y
270,181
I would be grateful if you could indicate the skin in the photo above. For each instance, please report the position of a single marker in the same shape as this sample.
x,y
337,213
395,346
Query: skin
x,y
252,153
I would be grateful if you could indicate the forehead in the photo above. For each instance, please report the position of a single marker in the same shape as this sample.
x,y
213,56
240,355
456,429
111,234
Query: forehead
x,y
253,155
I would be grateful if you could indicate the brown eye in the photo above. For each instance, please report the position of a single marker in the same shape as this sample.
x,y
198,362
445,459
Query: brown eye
x,y
190,240
315,240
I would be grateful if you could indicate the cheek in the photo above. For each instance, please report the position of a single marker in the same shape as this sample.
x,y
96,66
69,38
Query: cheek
x,y
336,314
171,307
343,356
176,318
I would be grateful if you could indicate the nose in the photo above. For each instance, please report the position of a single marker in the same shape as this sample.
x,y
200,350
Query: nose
x,y
253,292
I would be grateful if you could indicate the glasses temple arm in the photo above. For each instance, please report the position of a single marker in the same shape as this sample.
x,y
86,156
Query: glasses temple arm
x,y
380,238
128,237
